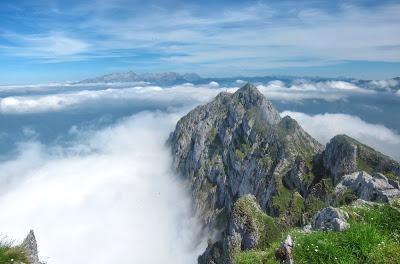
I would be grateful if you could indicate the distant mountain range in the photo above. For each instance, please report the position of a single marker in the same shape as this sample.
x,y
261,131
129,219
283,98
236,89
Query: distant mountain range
x,y
165,78
173,78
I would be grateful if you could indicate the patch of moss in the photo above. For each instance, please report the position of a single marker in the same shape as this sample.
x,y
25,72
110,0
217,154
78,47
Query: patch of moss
x,y
265,161
363,165
297,207
392,176
240,154
281,200
346,198
213,134
313,205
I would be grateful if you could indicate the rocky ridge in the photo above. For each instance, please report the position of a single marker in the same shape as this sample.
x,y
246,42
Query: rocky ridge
x,y
243,162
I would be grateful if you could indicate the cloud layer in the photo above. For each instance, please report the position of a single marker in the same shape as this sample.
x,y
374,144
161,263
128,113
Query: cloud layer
x,y
325,126
187,94
109,197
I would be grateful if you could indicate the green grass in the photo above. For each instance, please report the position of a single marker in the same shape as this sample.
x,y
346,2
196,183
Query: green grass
x,y
11,254
363,165
373,238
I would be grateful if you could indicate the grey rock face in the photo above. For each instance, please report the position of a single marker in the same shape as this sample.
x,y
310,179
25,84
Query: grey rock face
x,y
345,155
340,157
236,145
243,227
331,219
295,178
367,187
285,251
30,247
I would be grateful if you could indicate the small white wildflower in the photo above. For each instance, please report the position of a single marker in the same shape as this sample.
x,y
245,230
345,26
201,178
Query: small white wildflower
x,y
316,250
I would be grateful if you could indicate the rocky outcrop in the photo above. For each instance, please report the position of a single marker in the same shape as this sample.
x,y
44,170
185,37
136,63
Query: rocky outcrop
x,y
285,252
367,187
29,245
236,145
237,150
248,228
331,219
344,155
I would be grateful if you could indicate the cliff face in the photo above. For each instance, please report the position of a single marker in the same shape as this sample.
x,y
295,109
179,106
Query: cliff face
x,y
238,145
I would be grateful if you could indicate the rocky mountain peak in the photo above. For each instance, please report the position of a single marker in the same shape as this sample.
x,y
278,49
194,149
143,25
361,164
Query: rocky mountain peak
x,y
250,97
243,162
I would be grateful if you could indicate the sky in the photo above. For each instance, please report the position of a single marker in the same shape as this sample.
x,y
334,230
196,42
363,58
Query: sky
x,y
54,40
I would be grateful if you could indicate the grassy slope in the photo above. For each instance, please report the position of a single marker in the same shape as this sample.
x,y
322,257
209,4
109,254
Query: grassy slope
x,y
374,237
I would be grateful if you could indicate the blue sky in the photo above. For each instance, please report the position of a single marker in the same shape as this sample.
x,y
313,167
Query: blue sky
x,y
50,40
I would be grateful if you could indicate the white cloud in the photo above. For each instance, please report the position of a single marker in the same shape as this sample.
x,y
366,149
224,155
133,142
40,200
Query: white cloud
x,y
154,95
116,202
240,82
73,96
384,84
304,89
49,46
213,84
325,126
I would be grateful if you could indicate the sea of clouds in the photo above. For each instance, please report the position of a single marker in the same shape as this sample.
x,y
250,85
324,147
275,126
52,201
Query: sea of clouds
x,y
100,191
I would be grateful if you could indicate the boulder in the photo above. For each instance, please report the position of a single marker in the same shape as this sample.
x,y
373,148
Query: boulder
x,y
367,187
285,252
330,219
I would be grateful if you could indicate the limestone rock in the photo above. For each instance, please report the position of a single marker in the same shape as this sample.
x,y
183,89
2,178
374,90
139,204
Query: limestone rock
x,y
285,251
344,155
236,145
369,188
340,157
331,219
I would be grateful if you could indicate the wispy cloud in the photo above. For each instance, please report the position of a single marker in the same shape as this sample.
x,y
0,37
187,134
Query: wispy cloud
x,y
49,46
252,35
188,95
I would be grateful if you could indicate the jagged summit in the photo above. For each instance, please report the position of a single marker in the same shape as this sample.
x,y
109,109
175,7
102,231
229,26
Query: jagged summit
x,y
238,145
235,145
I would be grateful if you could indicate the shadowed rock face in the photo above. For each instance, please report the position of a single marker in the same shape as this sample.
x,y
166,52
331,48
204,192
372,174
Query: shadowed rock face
x,y
237,145
345,155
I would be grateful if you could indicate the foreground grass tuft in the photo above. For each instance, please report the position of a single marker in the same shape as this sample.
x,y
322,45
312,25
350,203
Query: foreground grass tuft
x,y
11,254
